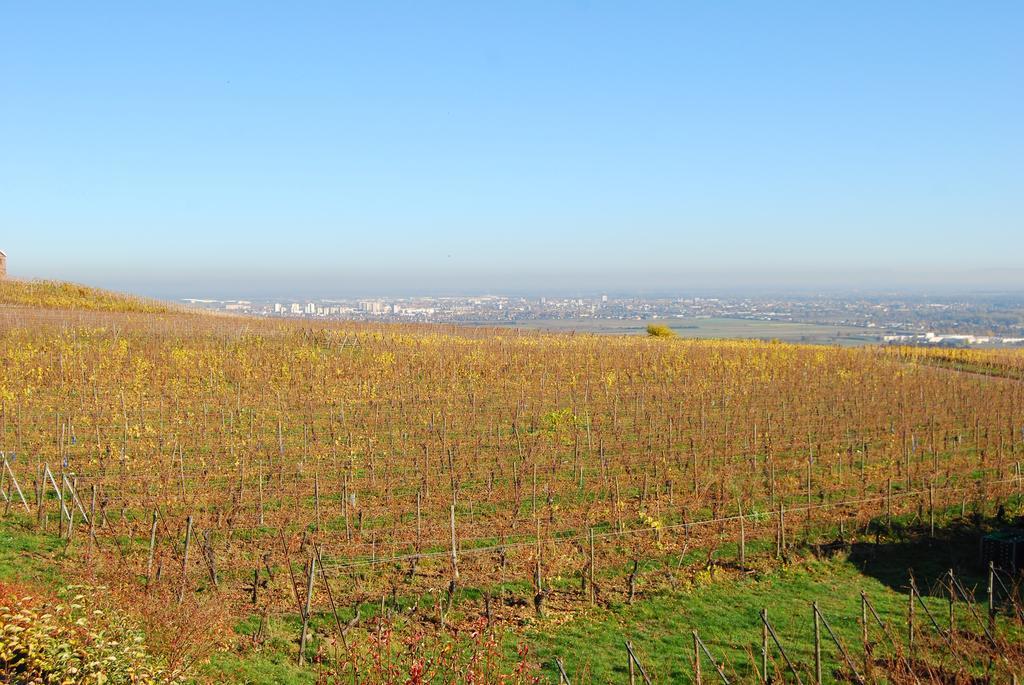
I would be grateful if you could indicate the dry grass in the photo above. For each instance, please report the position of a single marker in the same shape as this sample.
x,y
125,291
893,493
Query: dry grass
x,y
62,295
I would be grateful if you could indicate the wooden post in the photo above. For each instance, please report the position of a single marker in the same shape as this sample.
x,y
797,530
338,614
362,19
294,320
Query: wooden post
x,y
533,506
184,560
60,496
261,494
211,559
308,608
454,551
782,528
696,659
863,618
14,482
910,624
629,660
991,598
764,646
316,498
782,650
952,599
419,517
817,644
92,520
40,498
931,506
181,473
71,525
563,677
864,634
538,577
593,588
8,496
808,519
888,501
743,538
152,546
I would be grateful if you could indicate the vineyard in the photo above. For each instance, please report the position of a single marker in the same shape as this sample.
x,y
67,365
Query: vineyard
x,y
248,468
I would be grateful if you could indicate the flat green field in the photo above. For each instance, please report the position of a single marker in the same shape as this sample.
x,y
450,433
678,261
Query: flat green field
x,y
715,328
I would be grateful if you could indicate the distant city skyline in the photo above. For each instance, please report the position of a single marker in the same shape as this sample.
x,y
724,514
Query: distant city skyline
x,y
848,320
335,149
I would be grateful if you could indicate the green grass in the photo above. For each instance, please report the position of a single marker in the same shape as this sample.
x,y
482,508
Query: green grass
x,y
725,611
28,557
273,663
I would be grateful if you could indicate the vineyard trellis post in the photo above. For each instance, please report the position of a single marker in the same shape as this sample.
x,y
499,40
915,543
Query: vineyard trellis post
x,y
952,600
931,618
92,522
818,616
152,548
60,495
634,661
888,502
698,647
817,645
743,536
454,545
1011,594
592,588
696,659
970,605
992,598
71,529
308,607
764,646
184,560
885,629
40,484
910,623
14,482
782,650
864,634
563,677
75,499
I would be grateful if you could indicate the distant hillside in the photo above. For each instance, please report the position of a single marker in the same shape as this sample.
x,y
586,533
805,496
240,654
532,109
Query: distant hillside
x,y
62,295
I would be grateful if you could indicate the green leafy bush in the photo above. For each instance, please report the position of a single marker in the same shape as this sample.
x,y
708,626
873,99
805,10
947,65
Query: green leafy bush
x,y
68,641
660,330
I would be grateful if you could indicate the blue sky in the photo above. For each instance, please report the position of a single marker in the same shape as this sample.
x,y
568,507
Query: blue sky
x,y
340,148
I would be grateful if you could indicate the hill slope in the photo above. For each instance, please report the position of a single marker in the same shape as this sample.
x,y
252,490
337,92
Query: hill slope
x,y
47,294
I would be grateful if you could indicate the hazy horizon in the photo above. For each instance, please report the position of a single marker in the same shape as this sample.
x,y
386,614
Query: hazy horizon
x,y
237,283
968,285
327,150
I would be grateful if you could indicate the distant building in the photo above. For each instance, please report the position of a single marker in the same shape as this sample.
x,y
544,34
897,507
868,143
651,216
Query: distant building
x,y
3,264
